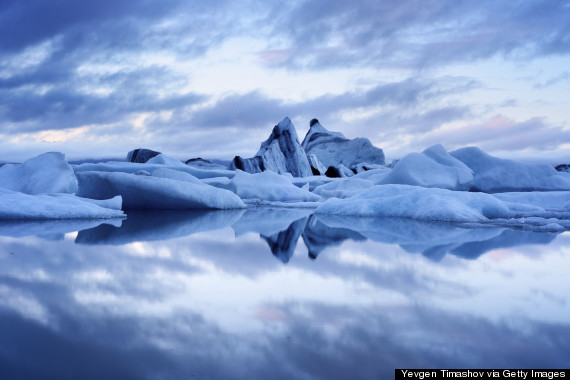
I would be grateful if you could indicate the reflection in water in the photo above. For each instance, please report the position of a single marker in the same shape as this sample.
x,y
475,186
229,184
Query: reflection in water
x,y
318,236
282,228
196,295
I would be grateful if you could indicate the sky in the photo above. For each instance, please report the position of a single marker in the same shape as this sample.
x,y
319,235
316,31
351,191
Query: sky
x,y
210,79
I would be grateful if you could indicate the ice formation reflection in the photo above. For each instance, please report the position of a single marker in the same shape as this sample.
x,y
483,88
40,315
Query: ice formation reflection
x,y
277,293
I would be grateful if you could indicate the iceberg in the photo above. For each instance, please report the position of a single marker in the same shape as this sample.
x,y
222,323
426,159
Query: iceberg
x,y
141,155
16,205
316,166
339,171
151,192
268,186
333,149
343,188
434,167
280,153
497,175
159,161
444,205
46,173
418,203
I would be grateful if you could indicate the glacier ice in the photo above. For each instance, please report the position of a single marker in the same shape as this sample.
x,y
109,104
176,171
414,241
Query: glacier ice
x,y
496,175
280,153
268,186
17,205
434,167
150,192
333,149
46,173
464,186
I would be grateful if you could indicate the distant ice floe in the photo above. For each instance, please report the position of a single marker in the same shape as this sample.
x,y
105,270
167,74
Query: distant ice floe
x,y
466,186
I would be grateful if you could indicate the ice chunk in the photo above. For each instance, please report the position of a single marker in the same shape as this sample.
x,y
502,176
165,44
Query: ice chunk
x,y
162,159
316,166
46,173
343,188
339,171
16,205
280,153
549,200
418,203
333,149
131,167
144,192
268,186
434,167
204,164
141,155
496,175
175,174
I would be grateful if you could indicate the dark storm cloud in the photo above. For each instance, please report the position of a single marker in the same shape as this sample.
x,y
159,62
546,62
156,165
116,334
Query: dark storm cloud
x,y
45,45
416,33
65,106
119,23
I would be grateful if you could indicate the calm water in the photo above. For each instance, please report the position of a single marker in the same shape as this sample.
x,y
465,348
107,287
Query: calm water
x,y
277,294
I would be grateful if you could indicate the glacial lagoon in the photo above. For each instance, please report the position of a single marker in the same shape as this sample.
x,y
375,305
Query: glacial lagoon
x,y
279,294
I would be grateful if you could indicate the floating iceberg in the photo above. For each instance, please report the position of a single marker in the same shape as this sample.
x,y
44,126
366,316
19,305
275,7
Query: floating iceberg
x,y
157,162
280,153
16,205
268,186
496,175
46,173
150,192
343,188
333,149
418,203
141,155
434,167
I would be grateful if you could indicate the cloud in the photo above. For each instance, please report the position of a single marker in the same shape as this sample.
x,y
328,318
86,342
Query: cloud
x,y
66,106
564,76
501,133
416,34
254,109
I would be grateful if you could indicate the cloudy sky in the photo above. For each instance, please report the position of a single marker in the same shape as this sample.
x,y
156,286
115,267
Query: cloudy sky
x,y
211,78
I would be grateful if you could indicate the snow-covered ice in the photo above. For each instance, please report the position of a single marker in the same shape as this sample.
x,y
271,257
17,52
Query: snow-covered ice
x,y
333,148
268,186
418,203
150,192
466,186
434,167
343,188
16,205
495,175
46,173
280,153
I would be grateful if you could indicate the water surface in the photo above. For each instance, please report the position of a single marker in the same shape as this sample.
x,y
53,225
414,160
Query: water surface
x,y
267,293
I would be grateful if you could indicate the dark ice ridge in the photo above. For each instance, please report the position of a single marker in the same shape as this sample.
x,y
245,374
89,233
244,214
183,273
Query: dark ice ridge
x,y
321,153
